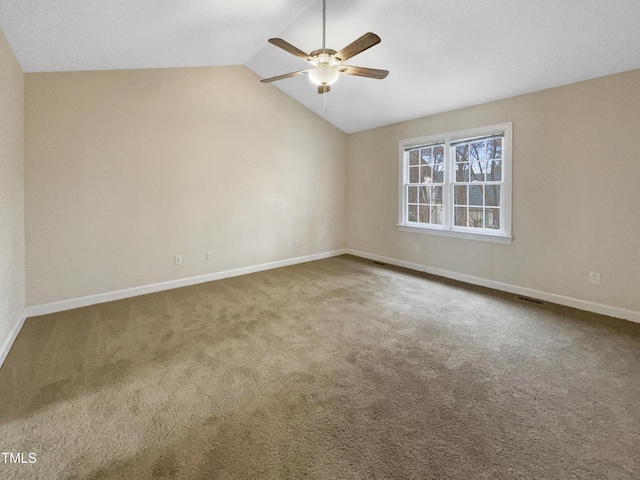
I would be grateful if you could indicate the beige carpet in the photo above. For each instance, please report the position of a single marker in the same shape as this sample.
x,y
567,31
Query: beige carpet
x,y
335,369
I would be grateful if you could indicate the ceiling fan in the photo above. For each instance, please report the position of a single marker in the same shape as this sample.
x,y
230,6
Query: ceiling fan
x,y
326,63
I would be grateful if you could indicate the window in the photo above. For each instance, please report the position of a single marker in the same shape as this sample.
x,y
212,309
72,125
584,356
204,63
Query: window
x,y
458,184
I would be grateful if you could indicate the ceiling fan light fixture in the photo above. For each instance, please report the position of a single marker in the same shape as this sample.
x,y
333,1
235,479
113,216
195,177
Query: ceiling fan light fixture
x,y
327,63
324,75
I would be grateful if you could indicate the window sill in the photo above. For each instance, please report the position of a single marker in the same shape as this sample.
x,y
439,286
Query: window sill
x,y
482,237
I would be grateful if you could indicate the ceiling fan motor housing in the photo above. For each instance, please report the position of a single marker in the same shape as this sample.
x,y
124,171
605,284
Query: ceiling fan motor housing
x,y
325,72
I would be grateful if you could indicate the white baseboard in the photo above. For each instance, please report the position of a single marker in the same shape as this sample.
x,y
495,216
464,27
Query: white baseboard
x,y
602,309
142,290
158,287
8,343
183,282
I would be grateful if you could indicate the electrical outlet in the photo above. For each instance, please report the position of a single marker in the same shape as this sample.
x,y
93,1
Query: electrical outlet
x,y
177,260
297,242
594,277
416,247
209,254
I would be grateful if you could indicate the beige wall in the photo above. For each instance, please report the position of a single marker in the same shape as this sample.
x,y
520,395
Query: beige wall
x,y
12,269
576,193
125,169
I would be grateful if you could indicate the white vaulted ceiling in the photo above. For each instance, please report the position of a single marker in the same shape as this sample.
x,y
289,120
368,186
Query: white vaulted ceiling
x,y
441,55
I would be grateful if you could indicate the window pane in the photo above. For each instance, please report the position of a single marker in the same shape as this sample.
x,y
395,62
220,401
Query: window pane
x,y
425,174
477,151
492,195
413,194
477,171
462,153
461,177
424,194
492,218
462,172
461,216
494,148
494,171
426,156
460,194
424,214
438,173
413,157
438,153
475,217
475,195
437,195
436,215
413,213
414,174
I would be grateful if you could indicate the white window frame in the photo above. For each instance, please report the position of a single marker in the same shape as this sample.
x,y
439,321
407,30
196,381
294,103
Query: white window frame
x,y
447,228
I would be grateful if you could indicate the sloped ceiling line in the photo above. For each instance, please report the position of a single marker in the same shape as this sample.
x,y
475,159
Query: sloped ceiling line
x,y
441,55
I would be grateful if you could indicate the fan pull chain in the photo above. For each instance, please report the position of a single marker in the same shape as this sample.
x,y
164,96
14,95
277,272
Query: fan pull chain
x,y
325,101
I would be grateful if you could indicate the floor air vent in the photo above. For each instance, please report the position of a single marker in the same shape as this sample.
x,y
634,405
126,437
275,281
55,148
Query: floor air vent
x,y
378,263
530,300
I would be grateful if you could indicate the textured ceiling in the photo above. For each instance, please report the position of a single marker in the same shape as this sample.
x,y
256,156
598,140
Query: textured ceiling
x,y
62,35
441,55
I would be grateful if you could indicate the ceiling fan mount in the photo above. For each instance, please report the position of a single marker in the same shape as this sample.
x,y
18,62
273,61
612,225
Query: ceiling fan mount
x,y
326,64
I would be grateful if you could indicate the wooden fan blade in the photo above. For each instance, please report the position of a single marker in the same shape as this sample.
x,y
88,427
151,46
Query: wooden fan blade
x,y
366,41
282,77
363,72
323,89
286,46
